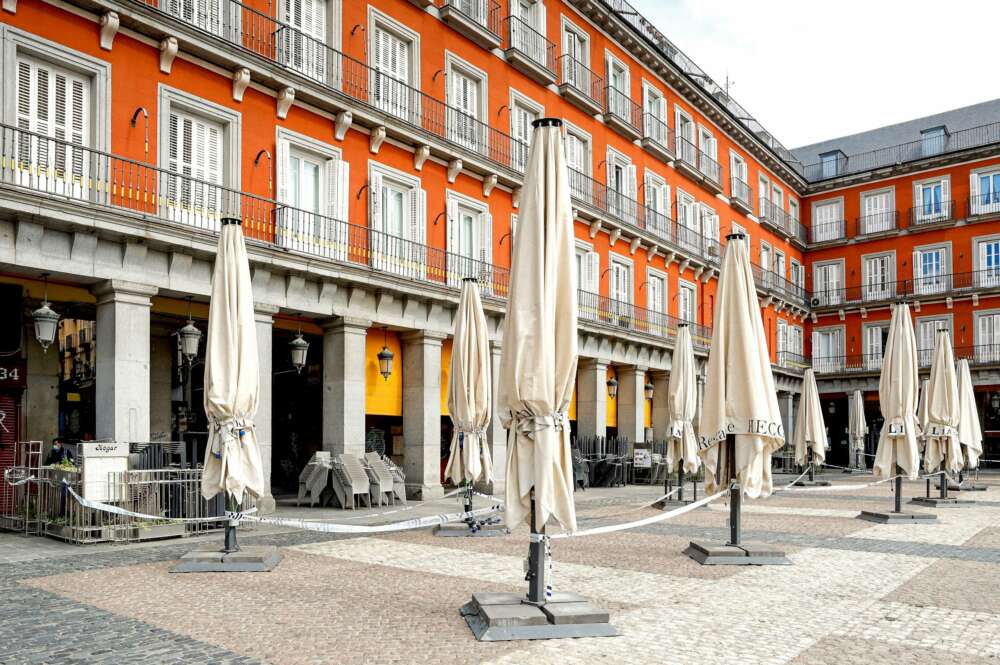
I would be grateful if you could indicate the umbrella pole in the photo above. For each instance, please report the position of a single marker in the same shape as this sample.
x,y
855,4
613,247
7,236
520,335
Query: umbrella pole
x,y
899,491
943,483
735,493
536,560
470,520
680,481
812,468
229,545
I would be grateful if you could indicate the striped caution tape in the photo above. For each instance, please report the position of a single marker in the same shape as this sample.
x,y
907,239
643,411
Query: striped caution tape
x,y
118,510
450,495
417,523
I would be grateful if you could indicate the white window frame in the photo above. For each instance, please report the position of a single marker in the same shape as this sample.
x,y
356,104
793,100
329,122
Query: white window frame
x,y
392,256
17,43
984,277
763,194
796,273
979,205
832,229
918,208
872,292
886,225
686,151
793,209
833,361
476,136
835,296
568,26
656,132
387,23
683,284
872,358
519,156
588,145
480,265
923,285
231,121
926,355
985,352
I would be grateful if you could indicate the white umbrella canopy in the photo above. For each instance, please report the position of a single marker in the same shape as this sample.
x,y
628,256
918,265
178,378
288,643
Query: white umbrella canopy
x,y
538,363
941,447
682,405
810,430
922,412
740,398
469,386
232,381
970,433
897,396
858,427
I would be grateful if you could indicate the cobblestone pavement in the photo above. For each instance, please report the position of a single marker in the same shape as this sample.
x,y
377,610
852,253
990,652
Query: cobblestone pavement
x,y
856,592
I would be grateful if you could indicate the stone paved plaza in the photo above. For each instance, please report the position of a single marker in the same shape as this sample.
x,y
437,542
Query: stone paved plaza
x,y
856,592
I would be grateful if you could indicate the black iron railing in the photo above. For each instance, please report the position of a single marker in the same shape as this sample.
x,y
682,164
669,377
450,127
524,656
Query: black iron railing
x,y
982,355
626,316
484,12
880,222
740,191
828,231
932,212
931,285
658,132
983,204
710,168
792,360
687,152
521,37
619,104
575,73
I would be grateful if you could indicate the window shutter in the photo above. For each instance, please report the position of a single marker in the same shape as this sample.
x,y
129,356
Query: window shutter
x,y
816,352
486,240
946,196
630,177
284,166
420,216
974,193
375,201
513,232
593,266
337,190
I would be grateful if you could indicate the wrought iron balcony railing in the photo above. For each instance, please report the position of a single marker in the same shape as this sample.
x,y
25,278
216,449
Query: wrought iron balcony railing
x,y
658,132
687,152
828,231
740,190
983,355
775,284
880,222
575,73
773,214
792,360
485,13
619,104
932,212
926,286
710,168
523,38
983,204
626,316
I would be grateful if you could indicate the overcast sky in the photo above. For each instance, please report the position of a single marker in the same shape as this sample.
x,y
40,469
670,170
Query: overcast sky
x,y
811,70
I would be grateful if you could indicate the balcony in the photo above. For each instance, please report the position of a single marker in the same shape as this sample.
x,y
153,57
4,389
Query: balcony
x,y
479,20
929,287
528,51
774,218
878,223
795,362
628,317
797,233
932,213
687,158
834,231
983,206
740,195
981,356
711,172
657,137
580,86
771,283
622,114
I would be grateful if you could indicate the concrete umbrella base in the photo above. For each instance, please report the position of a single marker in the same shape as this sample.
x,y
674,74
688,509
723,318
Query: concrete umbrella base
x,y
498,617
969,486
897,518
248,559
939,502
745,554
811,483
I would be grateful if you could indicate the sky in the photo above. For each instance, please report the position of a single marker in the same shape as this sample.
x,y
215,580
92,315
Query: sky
x,y
810,71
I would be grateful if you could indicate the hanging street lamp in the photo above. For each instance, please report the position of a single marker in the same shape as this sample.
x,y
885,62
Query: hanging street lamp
x,y
612,388
189,337
299,348
648,390
385,357
45,319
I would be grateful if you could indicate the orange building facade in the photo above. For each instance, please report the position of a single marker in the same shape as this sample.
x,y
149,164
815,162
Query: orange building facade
x,y
374,151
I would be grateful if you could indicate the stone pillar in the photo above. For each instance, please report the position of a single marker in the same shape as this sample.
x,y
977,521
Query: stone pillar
x,y
264,324
632,403
700,380
123,378
592,398
496,433
344,386
41,398
163,348
422,414
661,384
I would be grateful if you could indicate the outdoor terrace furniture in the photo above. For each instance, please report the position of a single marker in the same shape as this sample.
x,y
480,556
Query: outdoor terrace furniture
x,y
581,470
381,488
350,482
314,478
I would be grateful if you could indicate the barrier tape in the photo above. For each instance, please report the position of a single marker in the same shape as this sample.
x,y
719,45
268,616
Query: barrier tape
x,y
417,523
449,495
117,510
14,483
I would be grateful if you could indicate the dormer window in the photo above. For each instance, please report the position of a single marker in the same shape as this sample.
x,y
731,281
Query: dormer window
x,y
933,141
830,163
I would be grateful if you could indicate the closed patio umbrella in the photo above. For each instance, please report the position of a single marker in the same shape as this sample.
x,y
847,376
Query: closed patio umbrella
x,y
682,405
538,362
858,429
970,433
740,400
810,430
469,397
942,451
232,383
922,412
897,395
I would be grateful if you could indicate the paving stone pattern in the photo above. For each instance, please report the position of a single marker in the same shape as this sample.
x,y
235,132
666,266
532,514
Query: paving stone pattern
x,y
856,592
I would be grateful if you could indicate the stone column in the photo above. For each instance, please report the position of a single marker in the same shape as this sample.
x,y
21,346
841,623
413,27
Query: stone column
x,y
632,403
592,398
41,399
264,324
123,378
496,433
344,385
422,414
661,383
163,349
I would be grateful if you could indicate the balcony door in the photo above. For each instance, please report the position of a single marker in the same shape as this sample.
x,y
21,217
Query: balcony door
x,y
875,338
827,287
194,159
620,290
988,338
931,269
878,278
877,212
464,109
926,331
391,73
985,195
303,42
656,304
826,350
577,58
826,222
932,202
521,117
204,14
621,187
